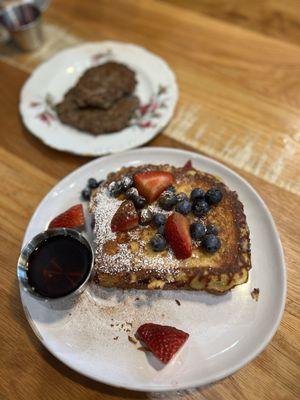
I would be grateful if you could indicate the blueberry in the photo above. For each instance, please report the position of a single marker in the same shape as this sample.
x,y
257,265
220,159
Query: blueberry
x,y
211,228
197,194
171,189
158,242
200,208
197,230
159,219
161,229
183,207
115,188
211,243
86,194
145,216
93,183
131,193
167,200
139,202
181,196
213,196
127,183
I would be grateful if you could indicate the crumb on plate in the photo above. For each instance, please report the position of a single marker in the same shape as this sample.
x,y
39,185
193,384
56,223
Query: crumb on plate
x,y
255,294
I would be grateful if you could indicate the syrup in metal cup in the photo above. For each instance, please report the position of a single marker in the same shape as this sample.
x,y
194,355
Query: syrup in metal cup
x,y
56,264
24,24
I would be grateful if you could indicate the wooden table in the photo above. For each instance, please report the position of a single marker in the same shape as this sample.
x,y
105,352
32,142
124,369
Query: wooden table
x,y
238,69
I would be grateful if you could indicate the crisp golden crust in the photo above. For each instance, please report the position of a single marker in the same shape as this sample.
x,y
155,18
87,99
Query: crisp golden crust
x,y
126,260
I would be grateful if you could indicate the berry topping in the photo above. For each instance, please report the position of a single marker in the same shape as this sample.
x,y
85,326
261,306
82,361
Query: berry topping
x,y
145,216
184,207
188,165
161,229
197,194
86,194
181,196
131,193
200,208
213,196
171,189
211,228
125,217
211,243
93,183
115,188
159,219
163,341
158,242
167,200
151,184
177,232
139,202
127,183
71,218
197,230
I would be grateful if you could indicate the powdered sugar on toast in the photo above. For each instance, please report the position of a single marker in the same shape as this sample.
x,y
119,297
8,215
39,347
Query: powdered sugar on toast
x,y
104,207
127,259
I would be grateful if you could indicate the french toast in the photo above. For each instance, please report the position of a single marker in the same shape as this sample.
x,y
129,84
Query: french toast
x,y
125,259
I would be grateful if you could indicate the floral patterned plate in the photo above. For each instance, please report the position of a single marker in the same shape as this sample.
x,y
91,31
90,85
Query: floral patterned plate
x,y
156,88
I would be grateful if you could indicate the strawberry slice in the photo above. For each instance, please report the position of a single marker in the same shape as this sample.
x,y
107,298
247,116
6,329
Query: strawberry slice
x,y
151,184
188,165
125,217
177,232
163,341
71,218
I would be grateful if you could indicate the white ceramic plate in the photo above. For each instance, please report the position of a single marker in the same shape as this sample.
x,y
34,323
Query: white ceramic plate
x,y
156,89
226,332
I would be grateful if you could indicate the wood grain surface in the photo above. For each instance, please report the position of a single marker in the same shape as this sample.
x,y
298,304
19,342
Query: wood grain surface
x,y
238,70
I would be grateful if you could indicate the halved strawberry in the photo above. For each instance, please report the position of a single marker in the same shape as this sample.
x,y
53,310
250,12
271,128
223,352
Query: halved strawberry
x,y
163,341
71,218
177,232
125,217
151,184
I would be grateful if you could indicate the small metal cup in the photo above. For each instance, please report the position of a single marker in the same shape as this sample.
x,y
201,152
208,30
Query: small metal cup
x,y
22,268
24,24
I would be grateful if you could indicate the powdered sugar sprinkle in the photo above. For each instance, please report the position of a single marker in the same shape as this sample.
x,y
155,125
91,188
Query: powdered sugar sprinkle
x,y
124,259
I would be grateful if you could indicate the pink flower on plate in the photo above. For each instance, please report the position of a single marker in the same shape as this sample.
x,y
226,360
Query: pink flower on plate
x,y
154,106
46,117
148,113
145,124
144,109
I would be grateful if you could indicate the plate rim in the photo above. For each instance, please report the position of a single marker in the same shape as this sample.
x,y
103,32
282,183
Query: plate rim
x,y
224,373
69,150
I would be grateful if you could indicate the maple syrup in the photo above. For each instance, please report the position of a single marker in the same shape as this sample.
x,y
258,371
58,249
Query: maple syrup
x,y
58,266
